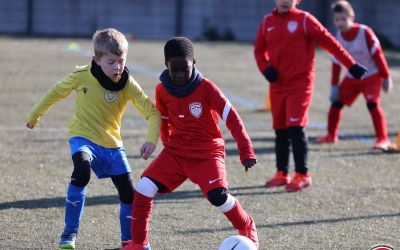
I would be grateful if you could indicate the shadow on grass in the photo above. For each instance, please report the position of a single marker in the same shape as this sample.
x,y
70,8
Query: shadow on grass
x,y
354,137
175,197
257,151
301,223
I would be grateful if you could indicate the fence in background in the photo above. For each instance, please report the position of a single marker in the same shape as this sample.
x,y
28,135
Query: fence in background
x,y
160,19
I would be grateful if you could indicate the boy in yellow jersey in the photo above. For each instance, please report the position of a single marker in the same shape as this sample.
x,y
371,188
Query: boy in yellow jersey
x,y
103,90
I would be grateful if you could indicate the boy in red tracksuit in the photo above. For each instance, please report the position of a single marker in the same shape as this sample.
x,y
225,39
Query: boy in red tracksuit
x,y
285,55
364,46
193,145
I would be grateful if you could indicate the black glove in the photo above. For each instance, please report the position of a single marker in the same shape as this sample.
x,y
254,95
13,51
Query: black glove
x,y
358,71
248,163
271,74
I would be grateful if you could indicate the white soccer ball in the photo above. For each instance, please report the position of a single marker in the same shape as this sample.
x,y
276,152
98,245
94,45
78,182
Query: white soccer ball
x,y
237,242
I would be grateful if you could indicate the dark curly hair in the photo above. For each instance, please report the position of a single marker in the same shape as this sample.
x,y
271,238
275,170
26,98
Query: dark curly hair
x,y
178,47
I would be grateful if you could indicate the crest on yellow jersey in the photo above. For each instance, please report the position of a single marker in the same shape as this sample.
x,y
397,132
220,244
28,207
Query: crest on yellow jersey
x,y
110,96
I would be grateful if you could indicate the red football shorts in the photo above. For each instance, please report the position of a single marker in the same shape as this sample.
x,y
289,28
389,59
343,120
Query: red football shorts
x,y
290,108
172,170
350,88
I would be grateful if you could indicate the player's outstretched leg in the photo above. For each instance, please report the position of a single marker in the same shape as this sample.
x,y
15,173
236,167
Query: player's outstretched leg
x,y
125,187
282,149
231,208
302,178
334,117
75,201
142,205
379,121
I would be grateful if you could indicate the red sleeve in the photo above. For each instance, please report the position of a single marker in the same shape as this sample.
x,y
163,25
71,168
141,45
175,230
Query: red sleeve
x,y
325,40
377,53
165,129
227,112
260,47
336,68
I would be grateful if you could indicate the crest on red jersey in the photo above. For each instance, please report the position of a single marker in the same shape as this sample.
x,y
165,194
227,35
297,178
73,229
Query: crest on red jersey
x,y
292,26
195,109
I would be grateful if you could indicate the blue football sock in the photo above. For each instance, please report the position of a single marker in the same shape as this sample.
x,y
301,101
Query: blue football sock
x,y
75,202
125,215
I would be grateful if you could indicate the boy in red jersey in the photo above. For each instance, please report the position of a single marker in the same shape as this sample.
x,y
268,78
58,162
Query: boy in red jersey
x,y
364,46
285,55
193,145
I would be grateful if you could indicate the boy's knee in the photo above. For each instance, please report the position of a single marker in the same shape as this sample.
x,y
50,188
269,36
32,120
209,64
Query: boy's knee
x,y
337,104
296,132
125,187
371,105
147,187
81,175
281,133
217,196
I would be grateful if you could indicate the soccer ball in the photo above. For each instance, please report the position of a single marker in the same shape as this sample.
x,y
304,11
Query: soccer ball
x,y
237,242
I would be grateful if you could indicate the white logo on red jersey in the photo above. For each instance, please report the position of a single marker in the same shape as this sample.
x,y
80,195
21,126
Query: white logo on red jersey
x,y
212,181
195,109
269,29
292,26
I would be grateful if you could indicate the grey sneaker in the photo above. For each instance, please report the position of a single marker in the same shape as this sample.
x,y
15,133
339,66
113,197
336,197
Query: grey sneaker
x,y
68,240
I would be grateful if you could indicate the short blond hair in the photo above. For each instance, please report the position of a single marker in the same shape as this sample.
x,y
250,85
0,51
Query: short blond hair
x,y
342,6
109,41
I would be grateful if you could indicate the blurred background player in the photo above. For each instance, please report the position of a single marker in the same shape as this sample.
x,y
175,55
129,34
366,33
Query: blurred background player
x,y
193,145
285,53
361,42
103,90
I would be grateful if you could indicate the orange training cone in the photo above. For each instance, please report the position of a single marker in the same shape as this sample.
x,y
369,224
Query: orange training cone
x,y
267,104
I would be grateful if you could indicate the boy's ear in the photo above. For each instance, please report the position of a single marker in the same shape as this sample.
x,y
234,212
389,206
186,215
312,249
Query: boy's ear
x,y
166,63
194,61
96,59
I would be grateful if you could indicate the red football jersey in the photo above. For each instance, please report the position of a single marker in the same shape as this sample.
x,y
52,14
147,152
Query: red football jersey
x,y
286,42
371,48
190,124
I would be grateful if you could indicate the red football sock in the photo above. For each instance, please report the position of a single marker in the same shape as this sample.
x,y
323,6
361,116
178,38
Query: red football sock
x,y
237,216
379,121
140,218
334,117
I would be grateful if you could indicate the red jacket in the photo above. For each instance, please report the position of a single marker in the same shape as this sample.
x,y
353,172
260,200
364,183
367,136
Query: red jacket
x,y
374,47
190,124
286,42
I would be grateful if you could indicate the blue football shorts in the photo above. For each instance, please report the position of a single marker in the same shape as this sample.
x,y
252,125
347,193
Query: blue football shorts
x,y
105,162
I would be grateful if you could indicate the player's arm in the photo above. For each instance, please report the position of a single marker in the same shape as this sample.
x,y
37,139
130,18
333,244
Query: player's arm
x,y
235,125
148,111
165,129
261,54
55,94
377,53
260,48
336,68
325,40
380,60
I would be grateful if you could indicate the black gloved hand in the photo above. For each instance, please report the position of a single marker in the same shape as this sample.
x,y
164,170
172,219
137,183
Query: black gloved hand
x,y
271,74
358,71
248,163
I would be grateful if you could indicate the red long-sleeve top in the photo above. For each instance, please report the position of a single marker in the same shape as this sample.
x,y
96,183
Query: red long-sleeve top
x,y
374,47
286,41
190,124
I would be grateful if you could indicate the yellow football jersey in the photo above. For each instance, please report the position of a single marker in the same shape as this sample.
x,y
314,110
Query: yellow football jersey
x,y
97,114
